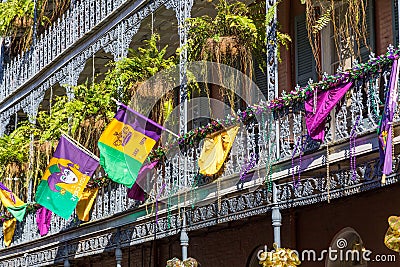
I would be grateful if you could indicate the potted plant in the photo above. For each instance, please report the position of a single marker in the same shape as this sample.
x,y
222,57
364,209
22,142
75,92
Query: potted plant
x,y
235,36
17,19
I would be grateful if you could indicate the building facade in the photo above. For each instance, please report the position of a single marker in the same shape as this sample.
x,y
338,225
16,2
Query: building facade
x,y
304,210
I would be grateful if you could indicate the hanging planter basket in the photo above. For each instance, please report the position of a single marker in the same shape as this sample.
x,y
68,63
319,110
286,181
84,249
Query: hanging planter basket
x,y
224,46
23,22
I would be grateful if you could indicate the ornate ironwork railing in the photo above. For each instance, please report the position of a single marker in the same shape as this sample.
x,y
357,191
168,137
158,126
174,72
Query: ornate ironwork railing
x,y
359,111
111,200
81,18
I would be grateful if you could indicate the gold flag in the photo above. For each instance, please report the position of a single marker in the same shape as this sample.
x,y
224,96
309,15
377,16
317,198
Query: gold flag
x,y
85,203
8,231
215,150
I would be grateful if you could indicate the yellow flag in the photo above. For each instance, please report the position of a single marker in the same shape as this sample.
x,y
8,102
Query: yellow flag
x,y
8,231
215,150
85,203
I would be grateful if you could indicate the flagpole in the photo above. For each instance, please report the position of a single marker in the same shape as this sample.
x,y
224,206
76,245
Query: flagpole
x,y
79,145
167,130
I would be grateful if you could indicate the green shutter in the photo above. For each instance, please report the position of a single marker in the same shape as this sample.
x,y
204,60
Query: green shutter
x,y
395,23
304,58
364,51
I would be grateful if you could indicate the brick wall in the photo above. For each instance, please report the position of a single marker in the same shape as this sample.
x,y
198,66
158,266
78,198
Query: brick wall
x,y
309,227
288,10
383,25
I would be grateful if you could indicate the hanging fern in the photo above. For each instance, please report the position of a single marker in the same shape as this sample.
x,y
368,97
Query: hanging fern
x,y
348,19
17,20
234,37
322,21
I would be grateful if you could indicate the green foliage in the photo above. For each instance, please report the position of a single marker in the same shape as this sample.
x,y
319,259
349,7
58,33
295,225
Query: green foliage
x,y
94,100
13,149
322,21
17,20
83,117
140,65
246,23
12,11
232,19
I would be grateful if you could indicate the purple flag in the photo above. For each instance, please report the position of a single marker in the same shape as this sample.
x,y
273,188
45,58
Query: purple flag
x,y
385,129
137,192
43,218
326,101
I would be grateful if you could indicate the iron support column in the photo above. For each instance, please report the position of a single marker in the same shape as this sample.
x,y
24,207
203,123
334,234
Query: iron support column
x,y
276,216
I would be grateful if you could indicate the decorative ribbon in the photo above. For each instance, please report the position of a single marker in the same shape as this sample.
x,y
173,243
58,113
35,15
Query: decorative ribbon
x,y
326,101
85,204
215,150
157,198
137,192
386,127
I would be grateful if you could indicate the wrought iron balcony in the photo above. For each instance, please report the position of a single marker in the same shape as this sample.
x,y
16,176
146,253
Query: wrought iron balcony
x,y
178,177
80,19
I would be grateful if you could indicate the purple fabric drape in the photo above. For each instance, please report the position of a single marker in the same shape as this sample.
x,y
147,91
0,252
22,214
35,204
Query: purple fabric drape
x,y
137,192
43,218
326,101
385,129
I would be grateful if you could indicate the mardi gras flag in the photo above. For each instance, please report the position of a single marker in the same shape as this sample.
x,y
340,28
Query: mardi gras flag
x,y
137,191
43,219
8,231
385,129
65,178
325,101
125,144
85,203
13,204
215,149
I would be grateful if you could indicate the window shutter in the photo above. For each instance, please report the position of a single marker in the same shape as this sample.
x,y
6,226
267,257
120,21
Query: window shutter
x,y
201,108
304,58
395,22
364,51
260,78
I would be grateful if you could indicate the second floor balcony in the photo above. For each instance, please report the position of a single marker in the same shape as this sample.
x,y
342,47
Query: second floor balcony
x,y
272,162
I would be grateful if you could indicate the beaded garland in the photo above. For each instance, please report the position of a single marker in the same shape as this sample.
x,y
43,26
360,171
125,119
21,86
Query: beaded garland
x,y
352,144
291,99
359,71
